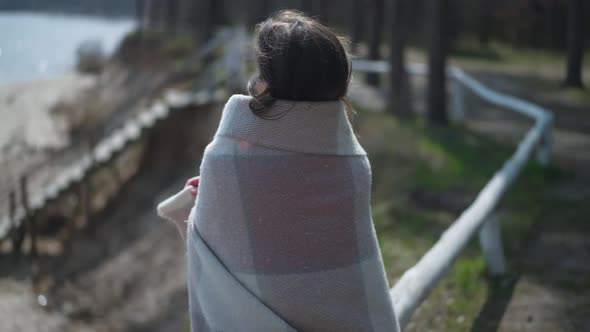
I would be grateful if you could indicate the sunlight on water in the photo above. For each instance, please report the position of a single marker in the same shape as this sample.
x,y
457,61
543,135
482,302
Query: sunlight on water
x,y
38,46
42,300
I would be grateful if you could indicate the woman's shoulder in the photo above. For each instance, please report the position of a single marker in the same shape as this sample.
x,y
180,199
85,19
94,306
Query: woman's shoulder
x,y
299,126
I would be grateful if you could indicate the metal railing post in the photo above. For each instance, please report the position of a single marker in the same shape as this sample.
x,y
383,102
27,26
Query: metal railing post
x,y
490,239
457,100
545,148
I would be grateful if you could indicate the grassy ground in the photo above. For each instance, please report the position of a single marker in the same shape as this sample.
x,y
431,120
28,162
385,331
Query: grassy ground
x,y
422,179
542,70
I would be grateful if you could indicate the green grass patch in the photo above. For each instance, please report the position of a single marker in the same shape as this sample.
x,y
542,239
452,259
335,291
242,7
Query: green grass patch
x,y
423,177
507,53
497,51
581,95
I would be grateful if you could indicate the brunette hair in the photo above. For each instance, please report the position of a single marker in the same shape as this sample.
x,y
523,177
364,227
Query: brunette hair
x,y
299,59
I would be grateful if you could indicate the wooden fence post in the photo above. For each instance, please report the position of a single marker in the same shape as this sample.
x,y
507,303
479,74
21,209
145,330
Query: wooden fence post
x,y
12,209
85,192
84,207
31,223
17,235
490,239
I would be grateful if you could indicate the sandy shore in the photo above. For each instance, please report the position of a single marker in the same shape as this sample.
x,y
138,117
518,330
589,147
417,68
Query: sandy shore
x,y
25,118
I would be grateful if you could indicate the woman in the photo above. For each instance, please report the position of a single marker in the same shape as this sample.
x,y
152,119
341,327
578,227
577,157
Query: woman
x,y
281,236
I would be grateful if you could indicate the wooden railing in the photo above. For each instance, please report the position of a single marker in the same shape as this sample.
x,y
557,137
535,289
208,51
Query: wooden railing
x,y
19,204
417,282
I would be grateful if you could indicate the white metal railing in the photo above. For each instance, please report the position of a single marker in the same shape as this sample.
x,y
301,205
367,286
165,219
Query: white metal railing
x,y
417,282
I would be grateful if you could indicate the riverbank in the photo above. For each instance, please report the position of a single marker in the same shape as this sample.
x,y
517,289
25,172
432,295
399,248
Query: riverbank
x,y
124,269
26,121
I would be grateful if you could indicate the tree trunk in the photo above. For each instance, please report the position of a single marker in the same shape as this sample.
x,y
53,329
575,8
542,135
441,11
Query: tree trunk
x,y
322,10
307,6
139,8
316,9
265,8
204,24
261,9
358,21
558,18
378,7
219,13
171,16
400,96
485,22
575,44
537,39
437,61
155,15
152,9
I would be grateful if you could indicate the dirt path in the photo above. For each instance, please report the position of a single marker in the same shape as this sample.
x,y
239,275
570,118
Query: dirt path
x,y
550,286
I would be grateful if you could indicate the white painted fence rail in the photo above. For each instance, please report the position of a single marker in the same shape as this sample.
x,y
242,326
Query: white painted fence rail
x,y
417,282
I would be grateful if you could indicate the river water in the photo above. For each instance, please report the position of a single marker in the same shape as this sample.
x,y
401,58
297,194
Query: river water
x,y
39,46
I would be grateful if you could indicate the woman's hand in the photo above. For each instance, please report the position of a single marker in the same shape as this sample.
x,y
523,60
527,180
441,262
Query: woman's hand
x,y
194,183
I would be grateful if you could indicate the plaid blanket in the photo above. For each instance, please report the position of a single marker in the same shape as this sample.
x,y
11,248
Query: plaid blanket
x,y
281,236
